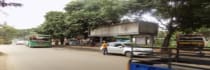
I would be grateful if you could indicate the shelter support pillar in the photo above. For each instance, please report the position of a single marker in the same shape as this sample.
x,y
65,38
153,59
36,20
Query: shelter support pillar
x,y
101,39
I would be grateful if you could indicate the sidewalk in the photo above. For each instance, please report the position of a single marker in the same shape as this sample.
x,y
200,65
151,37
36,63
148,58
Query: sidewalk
x,y
3,61
84,48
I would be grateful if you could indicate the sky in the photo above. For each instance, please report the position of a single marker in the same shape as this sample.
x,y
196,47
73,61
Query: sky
x,y
31,14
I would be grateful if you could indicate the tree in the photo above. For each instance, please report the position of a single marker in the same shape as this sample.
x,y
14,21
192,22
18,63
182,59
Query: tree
x,y
7,34
54,25
184,15
84,15
24,33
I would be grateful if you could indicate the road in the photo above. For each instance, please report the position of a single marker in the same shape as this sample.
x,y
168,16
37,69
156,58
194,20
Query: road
x,y
24,58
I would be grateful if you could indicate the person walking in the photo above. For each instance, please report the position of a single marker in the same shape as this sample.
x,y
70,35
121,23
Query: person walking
x,y
104,48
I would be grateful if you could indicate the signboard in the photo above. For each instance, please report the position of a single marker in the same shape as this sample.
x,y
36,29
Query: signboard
x,y
140,40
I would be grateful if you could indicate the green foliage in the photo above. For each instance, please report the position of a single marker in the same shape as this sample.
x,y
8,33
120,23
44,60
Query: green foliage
x,y
205,31
94,11
54,24
184,15
23,33
7,33
84,15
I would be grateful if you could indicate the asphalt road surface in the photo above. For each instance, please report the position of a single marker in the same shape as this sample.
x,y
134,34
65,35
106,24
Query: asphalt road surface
x,y
25,58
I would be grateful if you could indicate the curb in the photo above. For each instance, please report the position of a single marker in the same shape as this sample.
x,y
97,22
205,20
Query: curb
x,y
84,48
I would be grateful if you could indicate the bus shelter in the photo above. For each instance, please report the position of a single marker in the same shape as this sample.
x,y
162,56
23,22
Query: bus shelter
x,y
139,32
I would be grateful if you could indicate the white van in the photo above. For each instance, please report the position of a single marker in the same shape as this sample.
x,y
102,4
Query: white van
x,y
124,48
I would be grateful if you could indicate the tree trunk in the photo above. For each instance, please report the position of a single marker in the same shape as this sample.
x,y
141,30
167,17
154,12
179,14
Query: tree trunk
x,y
56,42
62,40
166,41
86,34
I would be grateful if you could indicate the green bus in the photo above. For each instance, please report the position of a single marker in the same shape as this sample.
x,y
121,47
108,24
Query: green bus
x,y
39,41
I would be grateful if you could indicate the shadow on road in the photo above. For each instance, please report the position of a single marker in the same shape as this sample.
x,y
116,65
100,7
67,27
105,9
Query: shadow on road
x,y
2,54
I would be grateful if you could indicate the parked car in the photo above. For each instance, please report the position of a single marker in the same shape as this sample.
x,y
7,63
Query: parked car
x,y
20,42
74,42
125,49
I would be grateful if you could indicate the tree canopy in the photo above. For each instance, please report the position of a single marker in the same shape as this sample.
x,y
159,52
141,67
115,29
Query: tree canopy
x,y
54,24
7,33
84,15
184,15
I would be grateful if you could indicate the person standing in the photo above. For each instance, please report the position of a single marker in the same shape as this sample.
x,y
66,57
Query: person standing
x,y
104,48
65,41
